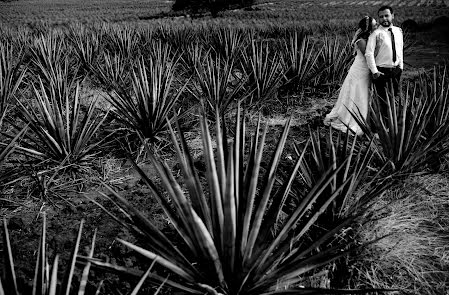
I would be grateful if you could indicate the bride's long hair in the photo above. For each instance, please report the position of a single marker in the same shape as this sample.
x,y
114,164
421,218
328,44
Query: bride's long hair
x,y
364,29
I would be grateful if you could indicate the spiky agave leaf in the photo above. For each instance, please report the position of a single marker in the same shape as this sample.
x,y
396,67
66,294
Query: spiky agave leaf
x,y
7,148
226,227
152,277
85,273
10,279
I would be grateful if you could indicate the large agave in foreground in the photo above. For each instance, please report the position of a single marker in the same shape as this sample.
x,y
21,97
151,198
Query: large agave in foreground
x,y
230,240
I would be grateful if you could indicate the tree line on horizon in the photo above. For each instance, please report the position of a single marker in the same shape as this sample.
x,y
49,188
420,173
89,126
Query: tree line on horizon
x,y
213,6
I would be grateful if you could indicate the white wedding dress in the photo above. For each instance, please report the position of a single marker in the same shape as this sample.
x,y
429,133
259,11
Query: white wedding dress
x,y
354,95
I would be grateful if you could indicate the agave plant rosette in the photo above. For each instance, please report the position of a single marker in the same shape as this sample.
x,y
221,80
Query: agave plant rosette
x,y
228,42
434,86
152,99
301,60
229,237
414,132
86,44
264,71
218,84
113,71
178,37
122,39
337,57
194,54
61,130
48,53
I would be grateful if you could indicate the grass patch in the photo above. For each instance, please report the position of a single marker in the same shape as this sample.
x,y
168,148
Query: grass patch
x,y
414,255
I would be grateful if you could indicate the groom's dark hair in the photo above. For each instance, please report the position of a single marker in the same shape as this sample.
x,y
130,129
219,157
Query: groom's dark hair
x,y
385,7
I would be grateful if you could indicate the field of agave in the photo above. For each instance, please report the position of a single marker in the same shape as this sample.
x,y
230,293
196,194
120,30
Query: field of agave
x,y
303,12
242,207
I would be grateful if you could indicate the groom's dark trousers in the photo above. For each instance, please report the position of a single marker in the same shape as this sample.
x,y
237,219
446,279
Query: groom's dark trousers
x,y
385,84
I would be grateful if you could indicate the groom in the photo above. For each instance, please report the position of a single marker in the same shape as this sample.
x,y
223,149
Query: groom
x,y
384,56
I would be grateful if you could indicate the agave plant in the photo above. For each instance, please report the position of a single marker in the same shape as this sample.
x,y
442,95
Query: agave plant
x,y
152,100
113,71
434,87
61,130
18,37
230,240
218,84
301,58
47,53
178,37
122,40
87,45
336,57
413,133
193,55
264,72
227,42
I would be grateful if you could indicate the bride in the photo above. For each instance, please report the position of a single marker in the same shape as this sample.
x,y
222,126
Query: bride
x,y
354,93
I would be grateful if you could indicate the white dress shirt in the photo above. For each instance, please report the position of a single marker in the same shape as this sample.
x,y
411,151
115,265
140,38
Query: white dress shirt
x,y
379,52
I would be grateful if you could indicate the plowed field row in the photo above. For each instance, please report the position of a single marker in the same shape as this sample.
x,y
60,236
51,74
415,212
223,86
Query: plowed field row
x,y
395,3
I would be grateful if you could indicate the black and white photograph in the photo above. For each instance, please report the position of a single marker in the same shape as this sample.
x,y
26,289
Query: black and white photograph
x,y
224,147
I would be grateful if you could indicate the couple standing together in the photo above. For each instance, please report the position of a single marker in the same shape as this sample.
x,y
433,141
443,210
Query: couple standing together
x,y
378,61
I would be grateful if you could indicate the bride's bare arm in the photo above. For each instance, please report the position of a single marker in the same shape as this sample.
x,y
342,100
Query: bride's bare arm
x,y
361,44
